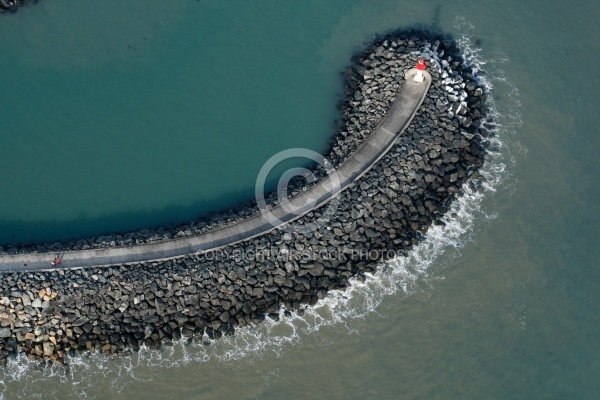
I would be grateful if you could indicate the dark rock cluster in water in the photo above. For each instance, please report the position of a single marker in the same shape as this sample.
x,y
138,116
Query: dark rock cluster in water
x,y
11,5
51,314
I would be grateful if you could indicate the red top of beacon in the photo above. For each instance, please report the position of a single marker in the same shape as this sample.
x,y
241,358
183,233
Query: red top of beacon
x,y
421,65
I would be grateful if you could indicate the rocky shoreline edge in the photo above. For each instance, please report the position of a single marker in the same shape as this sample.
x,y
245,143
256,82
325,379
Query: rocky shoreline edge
x,y
54,314
12,5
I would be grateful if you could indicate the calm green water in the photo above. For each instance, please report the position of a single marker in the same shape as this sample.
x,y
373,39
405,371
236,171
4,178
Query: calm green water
x,y
146,114
118,115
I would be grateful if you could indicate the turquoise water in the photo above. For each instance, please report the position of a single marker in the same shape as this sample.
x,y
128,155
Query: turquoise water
x,y
173,117
501,304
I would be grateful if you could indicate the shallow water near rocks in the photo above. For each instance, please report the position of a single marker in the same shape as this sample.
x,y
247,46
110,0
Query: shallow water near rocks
x,y
500,303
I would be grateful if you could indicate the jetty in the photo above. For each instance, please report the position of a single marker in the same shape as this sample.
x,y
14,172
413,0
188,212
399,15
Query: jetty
x,y
403,152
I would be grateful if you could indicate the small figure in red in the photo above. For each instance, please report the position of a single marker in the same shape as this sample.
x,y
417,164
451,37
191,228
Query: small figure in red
x,y
56,261
420,68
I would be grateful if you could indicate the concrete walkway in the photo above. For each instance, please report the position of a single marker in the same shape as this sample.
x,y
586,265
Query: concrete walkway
x,y
372,150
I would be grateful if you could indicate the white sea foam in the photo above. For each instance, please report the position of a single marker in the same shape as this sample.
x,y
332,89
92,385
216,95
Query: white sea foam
x,y
399,277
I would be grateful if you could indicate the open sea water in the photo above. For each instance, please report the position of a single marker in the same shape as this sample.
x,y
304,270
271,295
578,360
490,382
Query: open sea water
x,y
125,115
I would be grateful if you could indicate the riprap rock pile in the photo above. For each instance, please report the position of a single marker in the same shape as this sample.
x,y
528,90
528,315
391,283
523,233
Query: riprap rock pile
x,y
49,315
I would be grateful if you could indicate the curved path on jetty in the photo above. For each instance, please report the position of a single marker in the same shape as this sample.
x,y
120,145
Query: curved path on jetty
x,y
380,141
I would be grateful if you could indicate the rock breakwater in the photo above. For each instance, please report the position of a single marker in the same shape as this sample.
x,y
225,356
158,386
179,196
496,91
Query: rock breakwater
x,y
51,314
